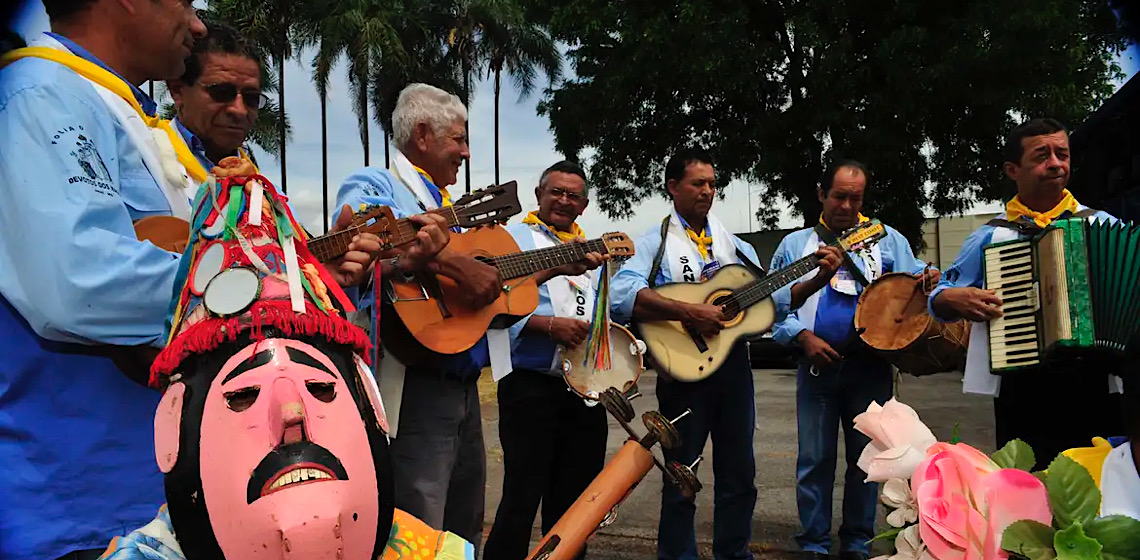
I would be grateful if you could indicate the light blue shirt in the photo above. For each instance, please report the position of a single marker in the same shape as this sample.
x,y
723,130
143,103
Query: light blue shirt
x,y
634,275
532,351
72,183
375,186
967,270
76,436
835,312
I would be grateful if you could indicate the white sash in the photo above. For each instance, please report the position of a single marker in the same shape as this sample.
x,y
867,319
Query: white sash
x,y
1120,483
403,169
391,371
872,268
978,379
684,259
153,144
570,296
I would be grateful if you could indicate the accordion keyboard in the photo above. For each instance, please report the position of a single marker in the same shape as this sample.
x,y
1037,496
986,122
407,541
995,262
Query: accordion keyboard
x,y
1014,337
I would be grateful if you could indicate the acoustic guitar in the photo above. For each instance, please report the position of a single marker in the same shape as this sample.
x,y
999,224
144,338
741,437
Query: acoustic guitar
x,y
682,353
494,204
432,313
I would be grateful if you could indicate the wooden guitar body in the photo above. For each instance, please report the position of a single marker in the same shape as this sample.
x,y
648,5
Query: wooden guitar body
x,y
165,232
423,317
673,349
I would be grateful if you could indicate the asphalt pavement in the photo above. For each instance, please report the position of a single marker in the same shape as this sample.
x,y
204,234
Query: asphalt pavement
x,y
938,400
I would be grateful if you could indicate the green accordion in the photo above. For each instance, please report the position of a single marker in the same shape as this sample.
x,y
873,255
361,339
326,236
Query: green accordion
x,y
1071,289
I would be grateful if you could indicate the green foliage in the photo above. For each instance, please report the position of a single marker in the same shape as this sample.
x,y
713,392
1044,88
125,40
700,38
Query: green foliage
x,y
1073,495
1015,455
1119,536
923,92
1072,543
1030,539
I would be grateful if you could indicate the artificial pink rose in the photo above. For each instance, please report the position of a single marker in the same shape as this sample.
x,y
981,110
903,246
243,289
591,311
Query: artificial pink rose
x,y
898,441
965,502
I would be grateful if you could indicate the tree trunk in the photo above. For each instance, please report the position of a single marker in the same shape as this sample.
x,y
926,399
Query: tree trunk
x,y
363,102
150,88
325,161
387,146
281,108
498,73
466,125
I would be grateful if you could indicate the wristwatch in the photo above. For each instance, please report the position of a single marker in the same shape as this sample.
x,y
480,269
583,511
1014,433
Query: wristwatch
x,y
394,262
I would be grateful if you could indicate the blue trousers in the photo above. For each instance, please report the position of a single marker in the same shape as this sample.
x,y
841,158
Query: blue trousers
x,y
824,402
722,405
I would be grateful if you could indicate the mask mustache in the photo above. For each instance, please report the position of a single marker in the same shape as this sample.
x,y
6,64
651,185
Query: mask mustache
x,y
288,457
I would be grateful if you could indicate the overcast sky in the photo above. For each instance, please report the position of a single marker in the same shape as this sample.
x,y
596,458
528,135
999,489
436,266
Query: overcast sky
x,y
526,148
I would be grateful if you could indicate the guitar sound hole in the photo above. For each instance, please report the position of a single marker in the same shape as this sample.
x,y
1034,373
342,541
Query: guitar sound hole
x,y
730,304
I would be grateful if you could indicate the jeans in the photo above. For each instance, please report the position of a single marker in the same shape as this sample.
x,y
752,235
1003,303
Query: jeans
x,y
824,402
722,404
438,462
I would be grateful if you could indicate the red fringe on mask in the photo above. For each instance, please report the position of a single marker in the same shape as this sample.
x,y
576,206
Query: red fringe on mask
x,y
211,333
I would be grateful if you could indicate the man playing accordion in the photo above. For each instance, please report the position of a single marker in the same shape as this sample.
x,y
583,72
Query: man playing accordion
x,y
1051,407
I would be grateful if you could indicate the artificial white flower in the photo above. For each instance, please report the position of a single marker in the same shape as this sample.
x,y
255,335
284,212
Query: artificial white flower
x,y
897,495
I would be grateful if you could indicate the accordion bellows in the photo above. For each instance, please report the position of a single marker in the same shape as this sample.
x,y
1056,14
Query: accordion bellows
x,y
1071,289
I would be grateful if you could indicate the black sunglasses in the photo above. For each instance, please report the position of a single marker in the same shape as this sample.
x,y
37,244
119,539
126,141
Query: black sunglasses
x,y
226,93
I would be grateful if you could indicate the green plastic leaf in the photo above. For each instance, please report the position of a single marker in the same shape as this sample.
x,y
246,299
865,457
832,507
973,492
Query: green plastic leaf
x,y
1073,544
1030,539
1118,534
954,435
1015,455
888,535
1073,496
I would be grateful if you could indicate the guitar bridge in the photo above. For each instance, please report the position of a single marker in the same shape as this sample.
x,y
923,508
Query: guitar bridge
x,y
699,340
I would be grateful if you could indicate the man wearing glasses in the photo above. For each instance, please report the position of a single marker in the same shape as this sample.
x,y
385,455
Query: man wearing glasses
x,y
219,95
553,444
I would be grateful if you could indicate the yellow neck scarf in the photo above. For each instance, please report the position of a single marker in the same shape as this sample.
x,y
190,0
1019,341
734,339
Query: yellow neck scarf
x,y
702,239
563,236
1015,209
444,195
117,86
862,219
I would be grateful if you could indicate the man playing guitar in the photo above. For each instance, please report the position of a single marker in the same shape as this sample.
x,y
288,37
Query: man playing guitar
x,y
693,244
439,460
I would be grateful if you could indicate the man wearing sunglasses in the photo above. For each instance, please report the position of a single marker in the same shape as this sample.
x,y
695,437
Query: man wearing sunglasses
x,y
219,95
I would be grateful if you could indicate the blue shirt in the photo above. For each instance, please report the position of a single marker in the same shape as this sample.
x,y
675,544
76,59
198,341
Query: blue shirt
x,y
835,312
76,436
532,351
196,146
375,186
634,275
967,270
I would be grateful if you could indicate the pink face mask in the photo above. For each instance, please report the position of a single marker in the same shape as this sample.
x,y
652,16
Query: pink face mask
x,y
286,466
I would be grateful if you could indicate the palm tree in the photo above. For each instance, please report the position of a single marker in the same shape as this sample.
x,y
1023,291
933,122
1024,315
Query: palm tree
x,y
496,33
272,25
522,49
362,30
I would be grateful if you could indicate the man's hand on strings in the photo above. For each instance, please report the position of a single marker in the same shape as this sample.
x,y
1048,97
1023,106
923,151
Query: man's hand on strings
x,y
707,319
351,268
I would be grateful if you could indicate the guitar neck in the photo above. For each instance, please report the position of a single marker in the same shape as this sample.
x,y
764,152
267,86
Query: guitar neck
x,y
332,245
761,289
525,263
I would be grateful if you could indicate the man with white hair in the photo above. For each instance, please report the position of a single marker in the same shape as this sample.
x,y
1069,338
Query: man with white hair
x,y
438,459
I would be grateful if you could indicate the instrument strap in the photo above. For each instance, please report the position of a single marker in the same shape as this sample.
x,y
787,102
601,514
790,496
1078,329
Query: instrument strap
x,y
829,238
1028,228
656,269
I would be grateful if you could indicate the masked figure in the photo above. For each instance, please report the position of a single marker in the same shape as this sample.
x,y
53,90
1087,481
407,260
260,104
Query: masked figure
x,y
271,432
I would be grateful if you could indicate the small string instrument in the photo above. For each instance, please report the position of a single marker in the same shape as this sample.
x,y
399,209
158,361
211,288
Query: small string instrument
x,y
432,312
494,204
